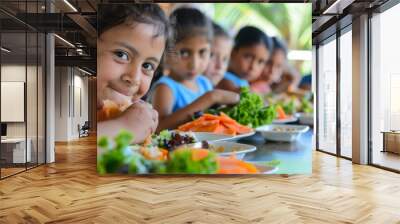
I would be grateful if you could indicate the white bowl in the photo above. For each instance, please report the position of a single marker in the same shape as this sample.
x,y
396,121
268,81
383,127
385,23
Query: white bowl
x,y
305,118
282,133
286,120
229,148
212,137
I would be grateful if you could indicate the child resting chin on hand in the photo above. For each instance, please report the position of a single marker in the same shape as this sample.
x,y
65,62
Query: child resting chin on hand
x,y
131,42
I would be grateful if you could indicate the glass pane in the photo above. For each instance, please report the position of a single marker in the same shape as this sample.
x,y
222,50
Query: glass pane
x,y
386,89
41,99
31,100
346,94
327,97
13,73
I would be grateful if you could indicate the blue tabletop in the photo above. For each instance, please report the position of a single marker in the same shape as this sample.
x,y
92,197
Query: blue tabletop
x,y
294,157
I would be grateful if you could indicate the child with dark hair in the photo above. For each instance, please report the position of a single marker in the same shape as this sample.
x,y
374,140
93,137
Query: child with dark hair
x,y
288,81
250,53
131,41
220,54
185,91
278,59
273,70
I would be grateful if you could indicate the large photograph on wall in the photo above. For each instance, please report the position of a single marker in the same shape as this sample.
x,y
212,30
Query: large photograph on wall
x,y
204,88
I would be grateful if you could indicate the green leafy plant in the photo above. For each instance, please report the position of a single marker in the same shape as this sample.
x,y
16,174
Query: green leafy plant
x,y
273,163
250,110
289,107
306,105
113,158
119,158
182,161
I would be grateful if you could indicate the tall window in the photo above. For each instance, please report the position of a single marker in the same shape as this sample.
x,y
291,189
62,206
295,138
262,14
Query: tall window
x,y
22,102
346,94
385,87
327,96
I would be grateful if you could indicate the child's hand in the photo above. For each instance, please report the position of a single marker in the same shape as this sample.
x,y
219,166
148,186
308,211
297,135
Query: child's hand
x,y
142,118
224,97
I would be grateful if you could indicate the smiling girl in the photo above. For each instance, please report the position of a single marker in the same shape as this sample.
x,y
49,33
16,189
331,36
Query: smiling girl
x,y
131,41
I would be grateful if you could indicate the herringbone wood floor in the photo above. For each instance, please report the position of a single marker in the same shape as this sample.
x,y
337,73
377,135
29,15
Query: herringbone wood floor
x,y
70,191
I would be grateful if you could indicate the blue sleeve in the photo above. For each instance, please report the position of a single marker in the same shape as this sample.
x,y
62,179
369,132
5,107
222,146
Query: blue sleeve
x,y
305,80
206,83
236,80
245,83
168,82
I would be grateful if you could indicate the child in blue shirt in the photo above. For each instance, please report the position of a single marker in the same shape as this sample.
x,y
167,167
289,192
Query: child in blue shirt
x,y
249,56
185,91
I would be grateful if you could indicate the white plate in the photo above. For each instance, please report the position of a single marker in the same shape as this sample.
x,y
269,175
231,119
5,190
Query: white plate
x,y
304,118
211,137
237,137
269,132
230,148
284,121
264,169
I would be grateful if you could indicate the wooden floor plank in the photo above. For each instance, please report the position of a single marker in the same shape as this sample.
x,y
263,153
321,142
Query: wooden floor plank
x,y
70,191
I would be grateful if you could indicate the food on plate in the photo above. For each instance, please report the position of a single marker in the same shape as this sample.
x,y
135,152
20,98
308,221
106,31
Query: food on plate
x,y
292,104
171,139
153,152
191,161
280,113
216,148
284,129
250,110
283,133
109,111
120,157
289,107
272,163
306,106
221,124
231,165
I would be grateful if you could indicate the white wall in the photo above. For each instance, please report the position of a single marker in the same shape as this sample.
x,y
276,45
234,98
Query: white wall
x,y
33,127
80,115
61,104
12,73
71,94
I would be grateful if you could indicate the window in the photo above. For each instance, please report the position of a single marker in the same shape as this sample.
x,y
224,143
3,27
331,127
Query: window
x,y
346,94
22,65
327,96
385,87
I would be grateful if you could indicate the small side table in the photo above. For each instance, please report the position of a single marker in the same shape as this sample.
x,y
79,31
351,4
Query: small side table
x,y
391,141
14,150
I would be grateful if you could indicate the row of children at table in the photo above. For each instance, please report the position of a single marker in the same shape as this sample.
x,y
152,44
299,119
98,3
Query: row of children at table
x,y
205,66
